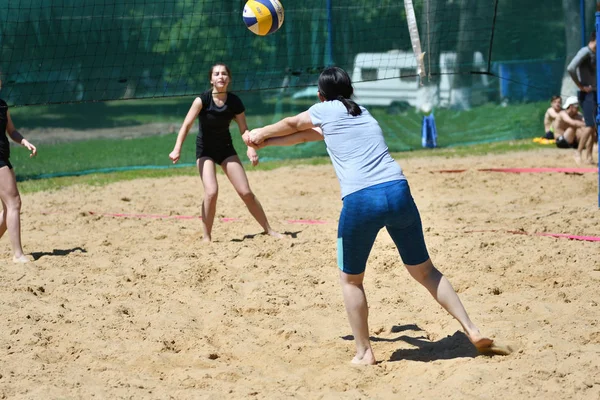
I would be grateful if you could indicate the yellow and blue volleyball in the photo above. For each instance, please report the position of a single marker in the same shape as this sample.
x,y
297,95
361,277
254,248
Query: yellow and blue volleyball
x,y
263,17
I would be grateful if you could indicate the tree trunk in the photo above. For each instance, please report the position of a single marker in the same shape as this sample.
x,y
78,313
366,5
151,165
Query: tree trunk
x,y
573,41
590,16
462,82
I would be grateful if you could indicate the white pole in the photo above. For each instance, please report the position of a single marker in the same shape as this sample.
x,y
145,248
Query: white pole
x,y
413,30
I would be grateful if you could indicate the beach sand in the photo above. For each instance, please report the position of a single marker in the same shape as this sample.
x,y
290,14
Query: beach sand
x,y
124,301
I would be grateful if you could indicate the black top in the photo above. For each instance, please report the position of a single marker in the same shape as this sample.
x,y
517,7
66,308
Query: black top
x,y
4,145
215,121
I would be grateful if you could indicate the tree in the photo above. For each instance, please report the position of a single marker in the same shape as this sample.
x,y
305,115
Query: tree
x,y
461,86
430,30
571,11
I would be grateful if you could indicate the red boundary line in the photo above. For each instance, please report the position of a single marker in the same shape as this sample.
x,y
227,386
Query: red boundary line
x,y
554,235
153,216
521,170
158,216
525,170
321,222
306,221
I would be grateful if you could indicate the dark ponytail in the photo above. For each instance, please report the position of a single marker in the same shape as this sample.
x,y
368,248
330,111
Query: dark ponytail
x,y
351,106
335,84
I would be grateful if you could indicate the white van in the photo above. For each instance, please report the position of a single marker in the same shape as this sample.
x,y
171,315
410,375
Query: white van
x,y
380,79
480,83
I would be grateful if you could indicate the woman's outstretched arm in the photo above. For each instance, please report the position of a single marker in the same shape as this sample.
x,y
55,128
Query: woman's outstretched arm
x,y
307,135
286,126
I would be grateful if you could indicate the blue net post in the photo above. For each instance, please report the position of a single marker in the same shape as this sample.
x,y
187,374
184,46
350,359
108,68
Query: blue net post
x,y
598,97
582,13
329,48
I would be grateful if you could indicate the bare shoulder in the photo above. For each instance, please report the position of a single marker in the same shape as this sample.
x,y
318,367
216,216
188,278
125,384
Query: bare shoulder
x,y
197,104
551,112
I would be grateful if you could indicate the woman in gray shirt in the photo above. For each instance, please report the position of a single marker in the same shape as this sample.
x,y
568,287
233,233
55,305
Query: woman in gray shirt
x,y
375,194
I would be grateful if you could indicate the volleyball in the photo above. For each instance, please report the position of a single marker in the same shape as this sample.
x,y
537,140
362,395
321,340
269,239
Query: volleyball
x,y
263,17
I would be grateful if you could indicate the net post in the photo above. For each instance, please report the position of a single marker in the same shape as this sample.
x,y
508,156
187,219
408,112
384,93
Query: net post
x,y
329,48
582,14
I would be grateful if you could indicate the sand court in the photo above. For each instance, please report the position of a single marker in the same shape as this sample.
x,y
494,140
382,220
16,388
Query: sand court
x,y
124,301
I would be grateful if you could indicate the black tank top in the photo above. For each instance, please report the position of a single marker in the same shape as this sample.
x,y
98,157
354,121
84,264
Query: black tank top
x,y
4,145
214,121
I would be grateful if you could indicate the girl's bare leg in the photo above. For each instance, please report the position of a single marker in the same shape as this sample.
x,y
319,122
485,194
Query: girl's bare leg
x,y
208,174
11,212
443,292
357,309
234,170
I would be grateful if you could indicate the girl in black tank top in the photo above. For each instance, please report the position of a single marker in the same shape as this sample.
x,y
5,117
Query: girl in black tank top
x,y
215,110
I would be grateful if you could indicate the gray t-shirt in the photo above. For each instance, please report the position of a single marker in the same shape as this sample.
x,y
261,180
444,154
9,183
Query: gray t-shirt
x,y
582,67
356,146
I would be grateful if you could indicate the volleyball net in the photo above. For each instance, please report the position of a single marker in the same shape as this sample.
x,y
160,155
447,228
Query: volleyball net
x,y
67,65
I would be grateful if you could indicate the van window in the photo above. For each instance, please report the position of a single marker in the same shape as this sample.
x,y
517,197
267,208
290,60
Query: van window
x,y
368,74
407,74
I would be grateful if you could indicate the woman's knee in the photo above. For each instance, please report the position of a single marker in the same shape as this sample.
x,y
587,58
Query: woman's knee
x,y
211,194
421,272
246,195
351,279
13,203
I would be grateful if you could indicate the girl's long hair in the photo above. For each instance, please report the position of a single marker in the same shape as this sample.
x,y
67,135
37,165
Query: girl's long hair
x,y
335,84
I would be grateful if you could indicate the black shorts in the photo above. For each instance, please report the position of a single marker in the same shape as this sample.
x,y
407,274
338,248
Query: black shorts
x,y
218,155
588,104
561,143
5,163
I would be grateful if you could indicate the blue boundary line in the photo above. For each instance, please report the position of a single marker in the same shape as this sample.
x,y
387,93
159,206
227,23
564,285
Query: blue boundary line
x,y
101,171
120,169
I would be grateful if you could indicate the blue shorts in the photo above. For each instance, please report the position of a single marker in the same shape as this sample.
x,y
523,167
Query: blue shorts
x,y
363,215
587,101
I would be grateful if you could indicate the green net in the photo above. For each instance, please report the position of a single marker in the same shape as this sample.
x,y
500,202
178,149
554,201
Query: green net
x,y
489,69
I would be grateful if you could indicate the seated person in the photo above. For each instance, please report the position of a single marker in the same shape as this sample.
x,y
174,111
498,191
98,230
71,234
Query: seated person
x,y
569,125
550,116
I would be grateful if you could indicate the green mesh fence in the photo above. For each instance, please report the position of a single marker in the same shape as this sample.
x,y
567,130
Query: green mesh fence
x,y
490,67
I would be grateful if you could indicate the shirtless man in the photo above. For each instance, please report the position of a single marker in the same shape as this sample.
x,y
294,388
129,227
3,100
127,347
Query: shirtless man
x,y
569,125
550,116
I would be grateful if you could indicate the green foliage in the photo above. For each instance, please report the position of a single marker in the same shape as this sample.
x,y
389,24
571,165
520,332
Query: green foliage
x,y
97,50
523,34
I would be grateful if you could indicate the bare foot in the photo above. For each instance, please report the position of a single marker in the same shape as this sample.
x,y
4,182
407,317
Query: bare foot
x,y
367,359
206,239
487,346
577,157
275,234
21,259
590,161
